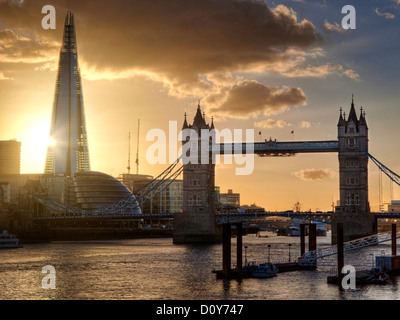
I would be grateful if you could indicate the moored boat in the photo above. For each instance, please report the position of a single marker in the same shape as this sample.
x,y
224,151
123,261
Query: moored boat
x,y
265,270
294,231
378,278
9,241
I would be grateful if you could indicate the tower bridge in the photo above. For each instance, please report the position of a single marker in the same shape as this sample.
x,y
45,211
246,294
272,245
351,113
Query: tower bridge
x,y
197,222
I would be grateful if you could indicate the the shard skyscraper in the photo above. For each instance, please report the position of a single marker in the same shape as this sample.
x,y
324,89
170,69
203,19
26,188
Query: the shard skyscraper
x,y
69,151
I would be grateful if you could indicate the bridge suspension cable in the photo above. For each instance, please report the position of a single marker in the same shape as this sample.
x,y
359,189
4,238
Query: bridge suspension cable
x,y
133,201
311,257
392,175
136,200
159,179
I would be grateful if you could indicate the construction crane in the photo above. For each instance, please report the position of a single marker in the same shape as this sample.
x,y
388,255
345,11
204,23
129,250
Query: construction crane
x,y
137,151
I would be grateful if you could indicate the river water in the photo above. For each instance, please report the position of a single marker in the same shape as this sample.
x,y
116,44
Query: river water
x,y
156,269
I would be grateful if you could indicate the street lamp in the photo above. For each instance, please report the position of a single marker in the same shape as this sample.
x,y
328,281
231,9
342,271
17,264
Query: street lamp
x,y
373,260
269,253
289,251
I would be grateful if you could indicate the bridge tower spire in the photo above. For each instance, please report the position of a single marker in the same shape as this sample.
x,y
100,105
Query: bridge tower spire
x,y
196,224
354,207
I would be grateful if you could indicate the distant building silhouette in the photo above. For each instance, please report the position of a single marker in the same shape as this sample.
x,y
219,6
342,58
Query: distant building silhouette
x,y
10,157
230,198
69,151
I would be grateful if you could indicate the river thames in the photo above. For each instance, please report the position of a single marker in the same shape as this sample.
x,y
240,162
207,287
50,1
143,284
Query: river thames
x,y
156,269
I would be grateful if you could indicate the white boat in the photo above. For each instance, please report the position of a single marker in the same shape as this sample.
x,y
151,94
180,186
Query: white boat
x,y
321,230
265,270
8,241
294,231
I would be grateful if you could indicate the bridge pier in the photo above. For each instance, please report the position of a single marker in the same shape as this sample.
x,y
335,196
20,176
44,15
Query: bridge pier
x,y
312,237
198,227
394,242
355,225
239,248
340,250
226,251
302,239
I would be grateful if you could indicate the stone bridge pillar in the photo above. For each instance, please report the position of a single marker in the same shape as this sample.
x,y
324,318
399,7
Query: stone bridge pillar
x,y
196,224
353,210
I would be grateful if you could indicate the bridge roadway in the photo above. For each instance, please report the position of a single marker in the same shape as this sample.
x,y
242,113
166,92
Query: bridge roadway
x,y
275,148
221,218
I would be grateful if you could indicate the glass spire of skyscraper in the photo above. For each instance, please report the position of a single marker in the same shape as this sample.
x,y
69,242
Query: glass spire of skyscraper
x,y
68,151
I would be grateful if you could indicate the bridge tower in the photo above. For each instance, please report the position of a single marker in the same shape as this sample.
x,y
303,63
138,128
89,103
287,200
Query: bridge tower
x,y
353,210
196,224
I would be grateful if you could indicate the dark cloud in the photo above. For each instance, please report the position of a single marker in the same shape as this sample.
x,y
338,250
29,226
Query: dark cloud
x,y
176,41
250,98
18,48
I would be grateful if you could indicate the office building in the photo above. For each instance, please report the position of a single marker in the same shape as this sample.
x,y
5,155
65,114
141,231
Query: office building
x,y
68,151
10,157
230,199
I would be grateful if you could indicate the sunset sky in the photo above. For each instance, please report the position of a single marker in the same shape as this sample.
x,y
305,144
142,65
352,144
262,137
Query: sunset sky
x,y
275,66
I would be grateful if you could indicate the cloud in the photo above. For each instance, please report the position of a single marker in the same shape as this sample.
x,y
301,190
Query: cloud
x,y
314,174
250,98
386,15
270,123
178,43
4,77
15,48
320,71
335,27
221,79
351,74
295,66
305,124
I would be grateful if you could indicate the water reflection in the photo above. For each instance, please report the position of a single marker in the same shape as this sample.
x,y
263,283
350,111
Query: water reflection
x,y
157,269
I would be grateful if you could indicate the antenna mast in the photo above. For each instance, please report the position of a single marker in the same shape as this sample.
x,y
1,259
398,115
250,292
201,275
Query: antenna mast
x,y
129,154
137,151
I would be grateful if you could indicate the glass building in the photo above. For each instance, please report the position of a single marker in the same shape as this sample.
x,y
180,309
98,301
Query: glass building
x,y
68,151
93,190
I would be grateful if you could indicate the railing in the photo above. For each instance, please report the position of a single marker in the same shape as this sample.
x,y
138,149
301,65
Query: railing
x,y
323,217
108,216
311,257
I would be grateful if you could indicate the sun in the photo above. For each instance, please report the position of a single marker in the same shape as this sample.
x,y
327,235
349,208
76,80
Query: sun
x,y
51,142
34,144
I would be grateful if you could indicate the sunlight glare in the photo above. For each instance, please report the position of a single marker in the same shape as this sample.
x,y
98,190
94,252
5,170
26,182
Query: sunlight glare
x,y
34,145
